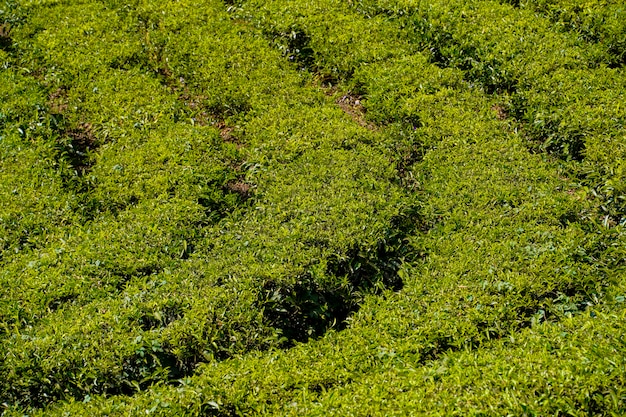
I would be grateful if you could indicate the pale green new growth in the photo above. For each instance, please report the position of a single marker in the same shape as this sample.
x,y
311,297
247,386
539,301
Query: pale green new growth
x,y
324,208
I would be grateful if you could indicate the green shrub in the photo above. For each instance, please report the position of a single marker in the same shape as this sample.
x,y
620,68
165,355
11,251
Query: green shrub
x,y
218,208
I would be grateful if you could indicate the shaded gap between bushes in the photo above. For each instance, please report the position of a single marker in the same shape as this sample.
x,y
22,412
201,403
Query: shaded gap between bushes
x,y
310,306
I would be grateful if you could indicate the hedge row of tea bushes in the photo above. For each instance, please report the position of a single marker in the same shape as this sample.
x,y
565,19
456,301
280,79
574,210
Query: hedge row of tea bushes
x,y
30,174
214,203
565,93
430,347
262,172
596,22
573,368
507,312
537,69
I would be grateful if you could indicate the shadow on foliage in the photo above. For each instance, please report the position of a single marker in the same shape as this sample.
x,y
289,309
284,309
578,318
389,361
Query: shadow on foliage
x,y
6,43
312,305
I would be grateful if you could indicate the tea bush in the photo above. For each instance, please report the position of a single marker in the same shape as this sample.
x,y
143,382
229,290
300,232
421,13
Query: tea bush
x,y
594,22
166,185
548,78
346,208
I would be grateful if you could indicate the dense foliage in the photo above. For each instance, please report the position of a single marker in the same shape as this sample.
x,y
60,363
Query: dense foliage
x,y
339,207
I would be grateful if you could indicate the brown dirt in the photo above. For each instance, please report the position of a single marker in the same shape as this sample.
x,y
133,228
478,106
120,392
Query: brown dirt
x,y
242,188
348,102
351,105
501,113
58,101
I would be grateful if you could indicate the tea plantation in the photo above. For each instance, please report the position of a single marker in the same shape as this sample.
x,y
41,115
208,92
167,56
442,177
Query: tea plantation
x,y
312,208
